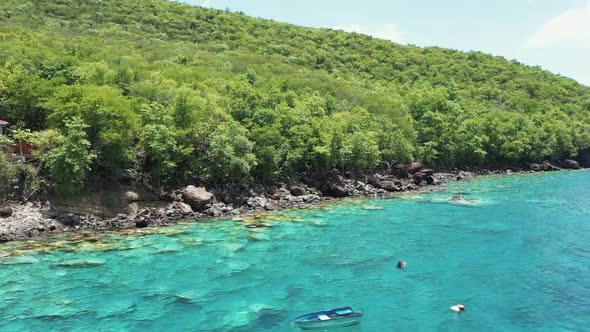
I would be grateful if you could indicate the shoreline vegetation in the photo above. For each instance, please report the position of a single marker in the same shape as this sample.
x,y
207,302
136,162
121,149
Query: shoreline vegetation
x,y
33,220
105,112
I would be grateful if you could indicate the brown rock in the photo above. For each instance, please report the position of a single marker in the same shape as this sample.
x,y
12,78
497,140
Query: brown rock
x,y
182,207
415,167
197,198
5,211
297,191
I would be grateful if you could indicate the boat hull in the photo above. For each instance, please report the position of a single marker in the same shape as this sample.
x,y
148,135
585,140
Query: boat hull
x,y
321,325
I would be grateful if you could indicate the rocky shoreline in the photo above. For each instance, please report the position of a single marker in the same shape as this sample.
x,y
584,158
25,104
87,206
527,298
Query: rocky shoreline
x,y
36,219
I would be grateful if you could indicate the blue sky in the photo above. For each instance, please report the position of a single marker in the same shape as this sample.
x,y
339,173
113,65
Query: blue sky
x,y
553,34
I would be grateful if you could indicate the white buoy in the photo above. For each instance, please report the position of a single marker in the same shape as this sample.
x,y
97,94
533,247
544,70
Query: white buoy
x,y
458,308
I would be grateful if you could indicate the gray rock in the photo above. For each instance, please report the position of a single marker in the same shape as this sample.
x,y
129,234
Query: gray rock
x,y
197,198
182,207
297,191
388,185
570,164
337,191
6,211
271,206
535,167
415,167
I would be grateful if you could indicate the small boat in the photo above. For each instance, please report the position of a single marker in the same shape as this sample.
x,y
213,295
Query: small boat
x,y
338,317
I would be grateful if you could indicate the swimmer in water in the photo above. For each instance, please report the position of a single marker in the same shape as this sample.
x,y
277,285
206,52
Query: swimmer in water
x,y
402,264
458,308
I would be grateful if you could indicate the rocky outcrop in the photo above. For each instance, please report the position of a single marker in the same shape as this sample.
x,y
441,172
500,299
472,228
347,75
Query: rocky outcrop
x,y
570,164
195,203
26,221
297,190
197,197
547,166
5,211
336,191
415,167
183,208
535,167
388,183
421,178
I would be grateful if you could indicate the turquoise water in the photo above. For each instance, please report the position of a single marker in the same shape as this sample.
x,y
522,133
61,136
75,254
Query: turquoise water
x,y
519,259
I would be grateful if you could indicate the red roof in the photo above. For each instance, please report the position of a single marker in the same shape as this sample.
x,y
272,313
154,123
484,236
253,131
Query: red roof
x,y
2,122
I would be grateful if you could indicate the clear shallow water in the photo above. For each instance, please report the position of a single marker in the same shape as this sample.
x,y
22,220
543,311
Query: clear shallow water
x,y
519,260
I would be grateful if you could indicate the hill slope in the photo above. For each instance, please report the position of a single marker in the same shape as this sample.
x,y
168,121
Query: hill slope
x,y
183,94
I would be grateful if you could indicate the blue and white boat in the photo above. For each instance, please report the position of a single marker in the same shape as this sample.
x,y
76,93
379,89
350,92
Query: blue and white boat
x,y
320,320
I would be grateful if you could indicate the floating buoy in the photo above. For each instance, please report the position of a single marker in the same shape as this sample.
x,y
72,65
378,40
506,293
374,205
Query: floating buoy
x,y
401,265
458,308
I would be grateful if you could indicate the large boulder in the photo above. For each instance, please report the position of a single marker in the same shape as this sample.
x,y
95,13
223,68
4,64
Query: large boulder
x,y
535,167
422,178
197,197
400,170
336,190
5,211
570,164
182,207
297,190
415,167
389,186
547,166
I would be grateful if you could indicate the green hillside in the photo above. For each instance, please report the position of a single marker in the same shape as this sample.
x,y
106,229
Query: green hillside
x,y
184,94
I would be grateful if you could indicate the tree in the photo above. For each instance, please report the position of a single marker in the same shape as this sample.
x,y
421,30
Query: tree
x,y
110,121
69,160
229,156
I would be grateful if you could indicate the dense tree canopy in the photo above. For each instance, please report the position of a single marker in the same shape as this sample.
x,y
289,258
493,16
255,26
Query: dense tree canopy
x,y
184,93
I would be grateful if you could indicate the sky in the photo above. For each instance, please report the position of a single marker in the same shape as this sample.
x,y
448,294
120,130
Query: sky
x,y
552,34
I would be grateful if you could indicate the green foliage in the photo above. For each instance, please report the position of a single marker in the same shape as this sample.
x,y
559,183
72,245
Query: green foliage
x,y
186,93
9,172
109,118
69,160
229,156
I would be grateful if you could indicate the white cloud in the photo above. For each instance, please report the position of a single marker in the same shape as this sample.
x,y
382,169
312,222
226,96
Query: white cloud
x,y
387,31
571,26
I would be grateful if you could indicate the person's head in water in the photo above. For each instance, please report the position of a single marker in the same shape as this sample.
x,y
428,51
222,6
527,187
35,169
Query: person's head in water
x,y
401,265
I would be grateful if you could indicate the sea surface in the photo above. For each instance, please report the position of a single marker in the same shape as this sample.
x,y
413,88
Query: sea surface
x,y
518,257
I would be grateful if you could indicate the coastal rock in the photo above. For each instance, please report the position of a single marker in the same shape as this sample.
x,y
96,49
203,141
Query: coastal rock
x,y
337,191
547,166
415,167
422,179
535,167
6,211
197,197
26,221
570,164
70,219
142,222
400,170
280,194
182,207
214,211
388,185
297,191
271,206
